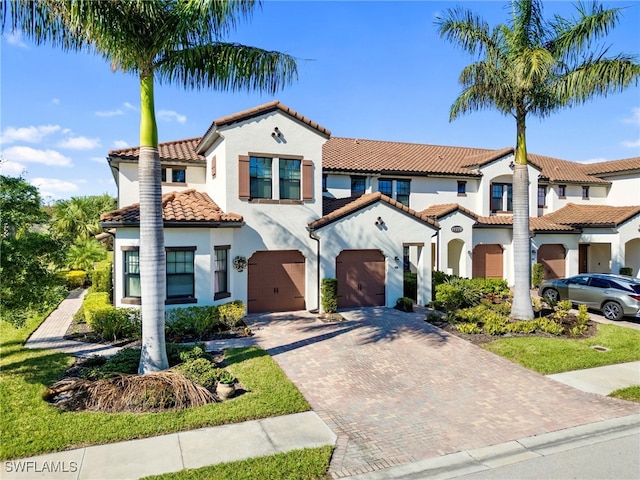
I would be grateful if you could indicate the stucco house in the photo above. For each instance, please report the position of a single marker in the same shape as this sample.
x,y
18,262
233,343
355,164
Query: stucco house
x,y
267,203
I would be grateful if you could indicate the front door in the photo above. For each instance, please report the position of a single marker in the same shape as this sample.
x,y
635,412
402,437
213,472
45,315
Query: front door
x,y
583,258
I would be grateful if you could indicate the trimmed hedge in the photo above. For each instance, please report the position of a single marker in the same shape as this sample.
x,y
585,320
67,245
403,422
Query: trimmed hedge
x,y
75,279
329,292
101,278
537,274
109,322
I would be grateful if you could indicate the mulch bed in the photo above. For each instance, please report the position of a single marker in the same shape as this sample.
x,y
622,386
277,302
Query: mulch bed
x,y
569,322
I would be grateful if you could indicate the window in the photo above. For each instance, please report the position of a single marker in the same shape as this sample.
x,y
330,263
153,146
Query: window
x,y
324,182
221,272
462,188
585,193
599,282
562,191
289,179
498,191
385,187
403,189
164,174
180,279
357,186
260,175
542,196
132,273
178,175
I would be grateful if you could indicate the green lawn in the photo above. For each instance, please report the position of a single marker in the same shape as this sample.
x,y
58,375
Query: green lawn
x,y
554,355
629,393
31,426
307,464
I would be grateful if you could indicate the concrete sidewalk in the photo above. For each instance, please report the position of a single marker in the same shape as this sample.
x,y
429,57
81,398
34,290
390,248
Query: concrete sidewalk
x,y
177,451
601,380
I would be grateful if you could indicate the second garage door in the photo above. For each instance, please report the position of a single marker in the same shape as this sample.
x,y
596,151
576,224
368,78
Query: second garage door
x,y
276,281
361,278
552,256
487,261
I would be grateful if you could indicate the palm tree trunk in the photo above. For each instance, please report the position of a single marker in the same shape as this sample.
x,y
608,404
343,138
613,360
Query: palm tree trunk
x,y
153,357
521,308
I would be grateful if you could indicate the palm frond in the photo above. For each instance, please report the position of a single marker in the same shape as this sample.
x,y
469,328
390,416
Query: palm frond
x,y
227,66
465,29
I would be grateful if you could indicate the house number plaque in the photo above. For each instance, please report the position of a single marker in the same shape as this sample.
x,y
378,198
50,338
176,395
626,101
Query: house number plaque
x,y
456,229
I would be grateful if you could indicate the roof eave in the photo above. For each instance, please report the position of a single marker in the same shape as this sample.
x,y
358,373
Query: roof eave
x,y
173,224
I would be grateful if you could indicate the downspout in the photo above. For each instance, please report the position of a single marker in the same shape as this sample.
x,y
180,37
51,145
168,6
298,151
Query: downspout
x,y
437,235
314,236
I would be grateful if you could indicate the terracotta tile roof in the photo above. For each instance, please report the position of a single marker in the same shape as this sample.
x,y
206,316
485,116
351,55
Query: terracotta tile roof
x,y
186,207
536,224
556,170
331,204
375,156
364,201
265,108
612,166
178,150
593,215
444,209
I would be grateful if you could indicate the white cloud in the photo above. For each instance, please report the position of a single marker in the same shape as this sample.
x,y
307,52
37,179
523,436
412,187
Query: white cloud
x,y
635,116
594,160
98,159
80,143
53,187
15,39
130,106
32,155
169,115
109,113
55,101
120,144
28,134
631,143
11,169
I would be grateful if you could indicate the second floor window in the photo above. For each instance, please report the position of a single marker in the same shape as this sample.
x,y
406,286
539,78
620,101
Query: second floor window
x,y
260,175
501,197
289,179
562,191
385,187
324,182
462,188
357,186
178,175
403,191
542,197
585,193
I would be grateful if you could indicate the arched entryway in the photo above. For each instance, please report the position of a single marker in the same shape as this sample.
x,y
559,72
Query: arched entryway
x,y
632,256
455,256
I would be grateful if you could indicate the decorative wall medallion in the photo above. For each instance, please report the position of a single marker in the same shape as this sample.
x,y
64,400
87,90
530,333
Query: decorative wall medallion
x,y
240,263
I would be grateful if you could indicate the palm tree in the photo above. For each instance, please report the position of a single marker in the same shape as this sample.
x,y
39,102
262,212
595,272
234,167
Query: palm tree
x,y
533,66
177,41
78,218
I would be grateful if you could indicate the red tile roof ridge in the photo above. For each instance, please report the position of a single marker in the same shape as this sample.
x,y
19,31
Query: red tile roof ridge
x,y
612,166
364,201
442,209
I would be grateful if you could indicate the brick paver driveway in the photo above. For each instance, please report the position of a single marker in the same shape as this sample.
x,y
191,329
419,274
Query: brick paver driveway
x,y
396,389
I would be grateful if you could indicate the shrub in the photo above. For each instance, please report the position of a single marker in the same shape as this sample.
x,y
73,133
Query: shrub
x,y
191,321
457,293
329,292
438,278
404,304
410,285
116,323
433,317
549,326
562,309
95,302
231,313
101,277
75,279
494,324
626,271
524,326
470,328
537,274
201,371
125,361
176,352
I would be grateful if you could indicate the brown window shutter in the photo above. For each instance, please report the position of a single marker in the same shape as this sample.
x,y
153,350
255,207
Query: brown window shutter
x,y
213,167
243,177
307,180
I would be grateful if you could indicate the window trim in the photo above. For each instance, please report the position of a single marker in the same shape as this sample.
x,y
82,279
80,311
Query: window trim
x,y
504,197
176,299
217,295
253,178
281,163
125,276
167,172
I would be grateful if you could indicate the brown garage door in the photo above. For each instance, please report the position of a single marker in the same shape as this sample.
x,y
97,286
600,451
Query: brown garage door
x,y
361,278
487,261
276,281
552,256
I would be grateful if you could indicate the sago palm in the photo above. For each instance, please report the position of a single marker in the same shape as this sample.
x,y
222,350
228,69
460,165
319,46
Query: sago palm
x,y
173,41
533,66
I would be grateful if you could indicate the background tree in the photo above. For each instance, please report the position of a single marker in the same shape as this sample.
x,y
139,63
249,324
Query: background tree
x,y
177,42
78,218
27,252
533,66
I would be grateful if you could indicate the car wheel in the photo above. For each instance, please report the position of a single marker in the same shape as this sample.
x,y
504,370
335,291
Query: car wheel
x,y
551,295
612,311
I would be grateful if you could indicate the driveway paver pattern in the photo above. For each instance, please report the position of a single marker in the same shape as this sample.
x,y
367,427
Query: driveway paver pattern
x,y
395,389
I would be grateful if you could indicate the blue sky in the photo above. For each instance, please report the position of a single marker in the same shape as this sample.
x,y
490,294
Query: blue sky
x,y
375,70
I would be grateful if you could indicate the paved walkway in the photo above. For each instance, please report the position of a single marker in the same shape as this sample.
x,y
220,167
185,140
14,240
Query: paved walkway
x,y
397,390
